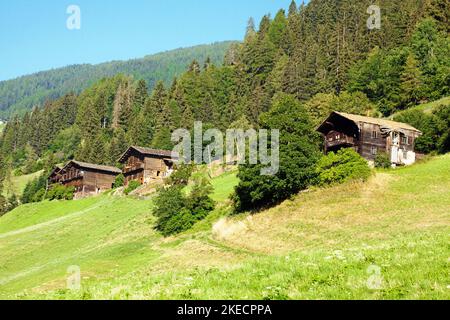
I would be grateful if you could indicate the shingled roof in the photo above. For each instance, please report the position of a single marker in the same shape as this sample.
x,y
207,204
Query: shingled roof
x,y
148,152
384,123
94,166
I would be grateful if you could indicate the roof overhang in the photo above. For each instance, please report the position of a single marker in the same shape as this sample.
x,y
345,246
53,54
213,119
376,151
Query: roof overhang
x,y
163,154
329,124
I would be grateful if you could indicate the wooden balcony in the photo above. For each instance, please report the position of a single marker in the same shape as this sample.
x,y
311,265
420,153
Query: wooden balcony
x,y
136,167
70,177
341,141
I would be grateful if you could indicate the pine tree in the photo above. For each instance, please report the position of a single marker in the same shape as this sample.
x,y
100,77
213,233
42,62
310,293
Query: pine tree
x,y
293,9
250,31
140,96
117,146
264,26
411,85
123,106
277,29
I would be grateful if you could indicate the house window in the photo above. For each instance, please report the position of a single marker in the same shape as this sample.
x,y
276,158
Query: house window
x,y
374,134
404,140
374,150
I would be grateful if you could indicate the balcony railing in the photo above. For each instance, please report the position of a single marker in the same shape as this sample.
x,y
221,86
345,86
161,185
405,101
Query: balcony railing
x,y
70,177
343,140
133,168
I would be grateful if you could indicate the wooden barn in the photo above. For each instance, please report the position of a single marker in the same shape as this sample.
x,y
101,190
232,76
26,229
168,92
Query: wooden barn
x,y
55,176
370,136
87,178
146,165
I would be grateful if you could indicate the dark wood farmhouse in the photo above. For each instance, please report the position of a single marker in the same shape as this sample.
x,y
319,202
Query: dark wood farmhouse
x,y
146,165
87,178
370,136
55,176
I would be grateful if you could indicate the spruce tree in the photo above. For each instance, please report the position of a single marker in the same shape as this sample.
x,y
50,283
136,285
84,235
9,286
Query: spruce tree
x,y
411,85
140,96
250,31
277,29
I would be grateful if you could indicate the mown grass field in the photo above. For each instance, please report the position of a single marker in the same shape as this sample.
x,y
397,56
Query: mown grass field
x,y
384,239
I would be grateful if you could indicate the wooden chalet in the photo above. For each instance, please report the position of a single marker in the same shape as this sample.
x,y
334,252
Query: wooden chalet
x,y
370,136
54,176
87,178
146,165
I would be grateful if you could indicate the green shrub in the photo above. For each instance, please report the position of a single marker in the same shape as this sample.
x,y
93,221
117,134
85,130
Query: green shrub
x,y
199,202
180,221
181,176
382,160
176,213
58,192
133,185
119,182
342,166
39,195
168,203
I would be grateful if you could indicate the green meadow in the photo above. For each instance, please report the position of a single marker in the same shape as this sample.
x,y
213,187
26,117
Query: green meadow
x,y
384,239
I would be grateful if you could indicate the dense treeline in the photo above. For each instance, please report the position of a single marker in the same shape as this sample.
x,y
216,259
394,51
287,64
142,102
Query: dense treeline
x,y
305,63
21,94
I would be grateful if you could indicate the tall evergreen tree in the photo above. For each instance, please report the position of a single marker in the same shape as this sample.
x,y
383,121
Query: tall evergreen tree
x,y
411,85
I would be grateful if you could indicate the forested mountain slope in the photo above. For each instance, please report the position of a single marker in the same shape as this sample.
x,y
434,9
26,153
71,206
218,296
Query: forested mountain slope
x,y
23,93
319,58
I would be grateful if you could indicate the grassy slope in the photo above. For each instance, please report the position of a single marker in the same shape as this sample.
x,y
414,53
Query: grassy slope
x,y
426,107
19,183
319,245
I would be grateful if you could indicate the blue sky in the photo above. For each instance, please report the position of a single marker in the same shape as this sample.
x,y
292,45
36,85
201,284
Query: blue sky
x,y
34,36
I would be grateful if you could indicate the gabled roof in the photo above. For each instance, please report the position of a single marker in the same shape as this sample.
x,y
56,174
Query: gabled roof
x,y
148,152
56,170
388,124
93,166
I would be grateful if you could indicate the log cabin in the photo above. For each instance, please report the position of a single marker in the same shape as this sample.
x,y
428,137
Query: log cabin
x,y
146,165
370,136
87,178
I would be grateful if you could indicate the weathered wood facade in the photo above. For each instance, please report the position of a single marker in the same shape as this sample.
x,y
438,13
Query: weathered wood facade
x,y
54,176
87,178
146,165
370,136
